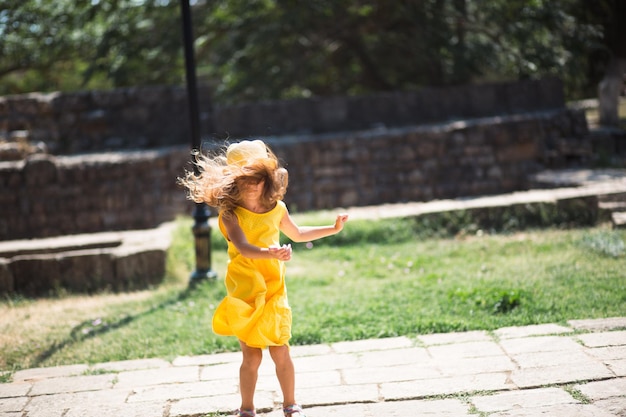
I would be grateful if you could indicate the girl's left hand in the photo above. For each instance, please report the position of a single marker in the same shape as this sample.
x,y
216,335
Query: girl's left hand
x,y
282,253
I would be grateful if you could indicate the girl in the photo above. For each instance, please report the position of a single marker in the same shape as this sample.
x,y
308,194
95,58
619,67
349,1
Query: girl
x,y
247,185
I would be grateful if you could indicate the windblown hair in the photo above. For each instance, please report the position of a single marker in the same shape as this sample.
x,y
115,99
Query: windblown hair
x,y
219,184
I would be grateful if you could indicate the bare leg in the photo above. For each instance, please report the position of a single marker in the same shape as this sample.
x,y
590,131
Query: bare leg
x,y
285,373
248,374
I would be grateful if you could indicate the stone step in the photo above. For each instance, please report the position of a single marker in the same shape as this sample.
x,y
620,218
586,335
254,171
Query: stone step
x,y
612,205
615,197
618,219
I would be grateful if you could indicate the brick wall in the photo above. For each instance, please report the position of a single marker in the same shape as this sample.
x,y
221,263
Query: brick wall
x,y
55,195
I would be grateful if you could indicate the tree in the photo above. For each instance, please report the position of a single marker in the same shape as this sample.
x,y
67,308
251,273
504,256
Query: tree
x,y
79,44
251,50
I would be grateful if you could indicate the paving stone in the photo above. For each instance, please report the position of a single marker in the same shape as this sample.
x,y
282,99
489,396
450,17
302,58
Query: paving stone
x,y
546,359
187,390
512,400
569,410
389,374
132,365
535,377
608,353
143,378
212,404
310,350
617,366
218,358
16,389
15,404
441,408
394,357
465,350
347,410
339,394
56,405
599,324
615,338
445,386
458,337
52,372
155,409
222,371
372,344
72,384
600,390
326,362
303,380
615,405
470,366
540,344
535,330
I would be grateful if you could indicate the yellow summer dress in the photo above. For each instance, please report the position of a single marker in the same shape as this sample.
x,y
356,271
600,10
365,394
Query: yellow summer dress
x,y
255,308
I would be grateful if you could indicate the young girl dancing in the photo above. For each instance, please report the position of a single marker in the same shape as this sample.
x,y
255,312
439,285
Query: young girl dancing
x,y
247,185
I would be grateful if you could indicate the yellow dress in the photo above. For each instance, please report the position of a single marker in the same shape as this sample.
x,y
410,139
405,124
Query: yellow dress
x,y
255,308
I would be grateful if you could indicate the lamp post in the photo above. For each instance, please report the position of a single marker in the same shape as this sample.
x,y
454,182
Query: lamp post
x,y
201,214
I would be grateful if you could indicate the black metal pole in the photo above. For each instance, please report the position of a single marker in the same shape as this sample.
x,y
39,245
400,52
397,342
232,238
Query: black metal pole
x,y
201,214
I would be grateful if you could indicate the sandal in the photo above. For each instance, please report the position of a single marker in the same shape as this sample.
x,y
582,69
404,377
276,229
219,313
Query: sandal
x,y
293,409
246,413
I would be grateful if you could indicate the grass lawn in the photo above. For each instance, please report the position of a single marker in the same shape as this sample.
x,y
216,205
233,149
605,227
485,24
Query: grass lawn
x,y
376,279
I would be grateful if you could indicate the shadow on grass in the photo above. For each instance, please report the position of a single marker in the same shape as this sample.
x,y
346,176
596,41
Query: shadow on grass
x,y
91,328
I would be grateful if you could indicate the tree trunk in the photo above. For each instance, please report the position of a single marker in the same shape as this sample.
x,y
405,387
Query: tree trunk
x,y
609,91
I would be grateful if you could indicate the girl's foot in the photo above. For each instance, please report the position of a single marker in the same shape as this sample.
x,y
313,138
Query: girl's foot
x,y
293,410
246,413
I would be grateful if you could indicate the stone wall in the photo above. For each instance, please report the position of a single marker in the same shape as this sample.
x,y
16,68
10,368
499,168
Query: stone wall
x,y
150,117
55,195
48,195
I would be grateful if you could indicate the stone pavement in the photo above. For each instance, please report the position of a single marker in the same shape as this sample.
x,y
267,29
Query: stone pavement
x,y
573,370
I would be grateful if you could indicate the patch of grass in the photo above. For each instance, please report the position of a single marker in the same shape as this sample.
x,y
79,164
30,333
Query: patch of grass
x,y
605,242
378,279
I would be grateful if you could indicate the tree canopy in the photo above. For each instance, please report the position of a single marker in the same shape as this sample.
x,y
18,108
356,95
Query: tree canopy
x,y
250,50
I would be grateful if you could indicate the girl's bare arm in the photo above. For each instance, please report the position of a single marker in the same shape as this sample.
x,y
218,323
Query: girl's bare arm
x,y
308,233
238,238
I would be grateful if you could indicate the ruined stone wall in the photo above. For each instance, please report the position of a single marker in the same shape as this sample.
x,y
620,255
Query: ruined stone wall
x,y
151,117
48,195
55,195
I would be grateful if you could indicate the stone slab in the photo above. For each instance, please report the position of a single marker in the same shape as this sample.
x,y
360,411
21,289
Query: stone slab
x,y
445,386
535,330
512,400
616,406
456,337
614,338
372,344
611,323
51,372
18,389
72,384
601,390
148,377
536,377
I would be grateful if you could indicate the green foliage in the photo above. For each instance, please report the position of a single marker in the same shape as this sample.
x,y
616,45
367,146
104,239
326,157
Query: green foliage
x,y
273,49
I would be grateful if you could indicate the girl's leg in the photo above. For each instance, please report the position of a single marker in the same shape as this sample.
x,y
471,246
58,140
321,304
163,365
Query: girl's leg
x,y
248,374
285,373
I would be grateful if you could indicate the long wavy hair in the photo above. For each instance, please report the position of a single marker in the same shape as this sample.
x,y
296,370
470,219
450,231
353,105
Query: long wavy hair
x,y
220,185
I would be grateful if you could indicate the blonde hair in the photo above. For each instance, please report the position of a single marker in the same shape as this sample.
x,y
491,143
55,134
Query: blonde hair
x,y
219,184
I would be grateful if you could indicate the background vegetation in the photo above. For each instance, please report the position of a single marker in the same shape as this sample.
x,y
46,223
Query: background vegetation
x,y
269,49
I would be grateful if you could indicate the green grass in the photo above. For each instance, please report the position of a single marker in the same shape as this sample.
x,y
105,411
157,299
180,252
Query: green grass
x,y
377,279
